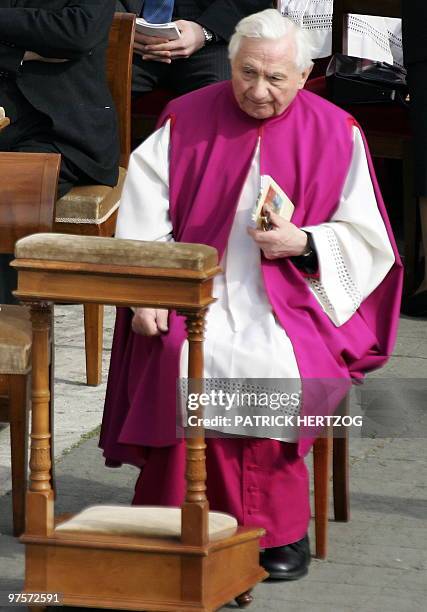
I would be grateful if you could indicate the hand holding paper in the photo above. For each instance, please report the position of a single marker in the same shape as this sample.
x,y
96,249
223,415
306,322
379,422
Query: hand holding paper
x,y
191,39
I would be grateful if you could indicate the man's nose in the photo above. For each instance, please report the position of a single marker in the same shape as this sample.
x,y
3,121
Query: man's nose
x,y
260,91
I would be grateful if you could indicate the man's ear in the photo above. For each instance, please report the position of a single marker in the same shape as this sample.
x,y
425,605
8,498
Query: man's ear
x,y
304,76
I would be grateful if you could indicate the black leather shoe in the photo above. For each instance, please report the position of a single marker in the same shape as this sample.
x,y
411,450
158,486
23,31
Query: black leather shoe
x,y
288,562
415,305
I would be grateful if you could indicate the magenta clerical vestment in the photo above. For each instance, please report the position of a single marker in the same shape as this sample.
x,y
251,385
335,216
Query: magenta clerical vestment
x,y
307,149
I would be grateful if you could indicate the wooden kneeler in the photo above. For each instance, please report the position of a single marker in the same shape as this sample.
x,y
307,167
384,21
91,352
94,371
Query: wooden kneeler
x,y
190,568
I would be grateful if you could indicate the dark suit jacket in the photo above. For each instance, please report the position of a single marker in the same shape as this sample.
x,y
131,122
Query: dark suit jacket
x,y
74,94
219,16
414,26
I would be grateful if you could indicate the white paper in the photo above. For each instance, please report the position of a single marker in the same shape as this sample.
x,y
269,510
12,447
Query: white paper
x,y
161,30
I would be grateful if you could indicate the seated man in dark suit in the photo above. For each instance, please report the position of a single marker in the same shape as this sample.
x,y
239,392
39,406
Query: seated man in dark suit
x,y
200,56
54,90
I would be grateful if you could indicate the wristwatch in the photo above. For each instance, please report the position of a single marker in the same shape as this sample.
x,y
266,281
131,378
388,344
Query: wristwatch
x,y
307,261
309,249
209,37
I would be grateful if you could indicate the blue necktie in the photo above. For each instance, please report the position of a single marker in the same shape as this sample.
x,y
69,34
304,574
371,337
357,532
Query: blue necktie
x,y
157,11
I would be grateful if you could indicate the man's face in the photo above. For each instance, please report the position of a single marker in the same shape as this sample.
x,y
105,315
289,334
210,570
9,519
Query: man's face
x,y
264,76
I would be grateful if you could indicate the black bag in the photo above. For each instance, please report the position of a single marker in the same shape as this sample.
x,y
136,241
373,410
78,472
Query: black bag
x,y
352,80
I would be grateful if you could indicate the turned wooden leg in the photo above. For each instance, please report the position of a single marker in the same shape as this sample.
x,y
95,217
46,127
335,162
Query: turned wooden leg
x,y
321,467
18,418
244,599
52,408
340,471
340,479
40,507
195,509
93,319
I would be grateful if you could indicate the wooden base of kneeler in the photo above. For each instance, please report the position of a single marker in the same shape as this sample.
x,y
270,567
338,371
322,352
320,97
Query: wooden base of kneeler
x,y
131,573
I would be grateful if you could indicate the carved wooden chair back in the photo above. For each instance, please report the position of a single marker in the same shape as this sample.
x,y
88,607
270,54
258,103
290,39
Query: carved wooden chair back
x,y
119,75
27,197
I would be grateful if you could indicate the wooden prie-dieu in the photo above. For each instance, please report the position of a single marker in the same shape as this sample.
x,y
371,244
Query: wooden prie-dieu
x,y
194,569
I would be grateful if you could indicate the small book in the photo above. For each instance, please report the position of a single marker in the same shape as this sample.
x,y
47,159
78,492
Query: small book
x,y
271,193
161,30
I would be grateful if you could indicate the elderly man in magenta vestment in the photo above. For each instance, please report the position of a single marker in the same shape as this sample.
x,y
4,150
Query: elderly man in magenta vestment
x,y
315,297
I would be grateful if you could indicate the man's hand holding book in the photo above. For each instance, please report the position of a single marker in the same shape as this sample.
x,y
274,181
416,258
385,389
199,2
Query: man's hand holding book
x,y
275,234
166,42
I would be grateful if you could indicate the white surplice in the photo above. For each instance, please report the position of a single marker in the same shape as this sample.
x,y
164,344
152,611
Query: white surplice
x,y
243,339
370,37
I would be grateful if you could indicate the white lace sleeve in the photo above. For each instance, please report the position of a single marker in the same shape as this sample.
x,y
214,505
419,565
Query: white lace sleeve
x,y
144,205
353,249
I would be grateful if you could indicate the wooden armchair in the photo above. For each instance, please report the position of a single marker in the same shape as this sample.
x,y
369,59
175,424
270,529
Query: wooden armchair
x,y
135,558
27,201
91,210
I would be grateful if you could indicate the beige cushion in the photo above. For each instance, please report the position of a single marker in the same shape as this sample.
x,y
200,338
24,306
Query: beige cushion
x,y
116,251
15,340
148,521
89,203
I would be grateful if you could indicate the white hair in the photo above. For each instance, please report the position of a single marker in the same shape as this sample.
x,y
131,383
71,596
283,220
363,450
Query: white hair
x,y
271,25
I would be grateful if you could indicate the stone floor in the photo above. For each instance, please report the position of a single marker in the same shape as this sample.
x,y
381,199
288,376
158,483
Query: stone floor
x,y
376,563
